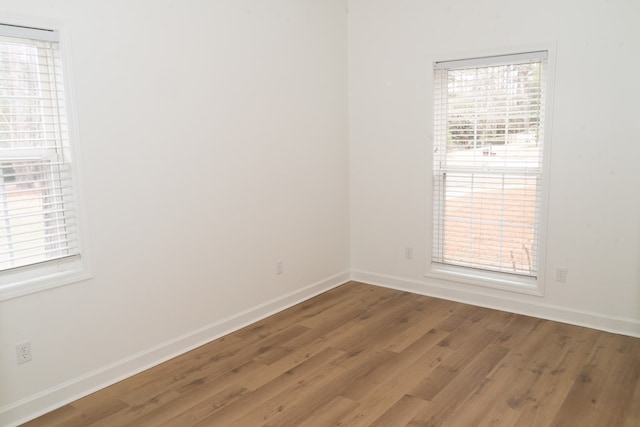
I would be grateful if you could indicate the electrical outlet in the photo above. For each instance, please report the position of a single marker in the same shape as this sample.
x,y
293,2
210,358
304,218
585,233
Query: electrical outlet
x,y
279,268
408,253
23,352
561,275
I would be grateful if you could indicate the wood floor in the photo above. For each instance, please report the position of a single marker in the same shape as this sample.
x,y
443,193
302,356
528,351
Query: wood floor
x,y
361,355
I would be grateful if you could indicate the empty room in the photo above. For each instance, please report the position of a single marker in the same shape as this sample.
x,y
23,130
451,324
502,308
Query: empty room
x,y
319,213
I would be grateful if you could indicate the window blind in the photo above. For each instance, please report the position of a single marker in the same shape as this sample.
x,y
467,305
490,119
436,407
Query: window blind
x,y
37,212
488,147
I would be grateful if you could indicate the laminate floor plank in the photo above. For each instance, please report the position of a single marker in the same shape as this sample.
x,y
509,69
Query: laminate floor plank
x,y
401,412
59,417
330,414
386,395
361,355
547,392
632,415
300,374
460,387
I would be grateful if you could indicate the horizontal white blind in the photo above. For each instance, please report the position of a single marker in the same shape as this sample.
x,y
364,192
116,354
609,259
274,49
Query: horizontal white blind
x,y
488,163
520,58
37,211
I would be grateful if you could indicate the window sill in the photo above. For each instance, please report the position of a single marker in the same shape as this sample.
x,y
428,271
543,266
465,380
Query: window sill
x,y
36,278
487,279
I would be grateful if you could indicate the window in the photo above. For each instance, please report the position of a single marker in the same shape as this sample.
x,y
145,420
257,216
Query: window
x,y
38,212
488,165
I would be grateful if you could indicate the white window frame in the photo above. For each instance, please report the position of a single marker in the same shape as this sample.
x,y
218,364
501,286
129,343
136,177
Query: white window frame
x,y
468,276
28,279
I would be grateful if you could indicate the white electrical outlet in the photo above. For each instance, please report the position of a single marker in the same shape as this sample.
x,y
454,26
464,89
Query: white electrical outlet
x,y
408,253
279,268
23,352
561,275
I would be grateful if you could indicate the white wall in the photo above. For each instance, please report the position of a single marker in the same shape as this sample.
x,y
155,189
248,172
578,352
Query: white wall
x,y
214,144
594,210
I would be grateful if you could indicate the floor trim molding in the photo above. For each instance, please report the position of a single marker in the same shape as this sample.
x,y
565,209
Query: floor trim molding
x,y
618,325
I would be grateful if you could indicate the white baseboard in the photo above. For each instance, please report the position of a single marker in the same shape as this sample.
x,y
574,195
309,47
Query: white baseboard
x,y
531,307
38,404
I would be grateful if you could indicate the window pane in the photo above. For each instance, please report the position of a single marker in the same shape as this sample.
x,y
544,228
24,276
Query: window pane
x,y
32,214
490,222
488,166
37,220
30,99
